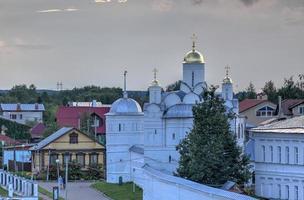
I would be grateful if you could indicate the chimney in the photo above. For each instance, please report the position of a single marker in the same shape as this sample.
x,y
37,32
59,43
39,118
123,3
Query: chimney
x,y
280,107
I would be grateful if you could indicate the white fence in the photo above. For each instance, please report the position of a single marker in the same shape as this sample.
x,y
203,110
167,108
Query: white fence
x,y
25,189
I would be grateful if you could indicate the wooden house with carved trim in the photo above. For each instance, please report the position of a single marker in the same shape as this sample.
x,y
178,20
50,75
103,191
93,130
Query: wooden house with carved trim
x,y
66,145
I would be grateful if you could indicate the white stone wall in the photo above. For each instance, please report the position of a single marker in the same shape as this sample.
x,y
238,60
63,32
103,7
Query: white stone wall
x,y
162,186
122,133
279,165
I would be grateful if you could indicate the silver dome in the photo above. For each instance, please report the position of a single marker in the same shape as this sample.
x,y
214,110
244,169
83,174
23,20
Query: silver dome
x,y
125,105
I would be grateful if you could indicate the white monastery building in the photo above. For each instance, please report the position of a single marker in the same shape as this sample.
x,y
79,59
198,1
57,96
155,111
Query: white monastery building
x,y
279,159
141,143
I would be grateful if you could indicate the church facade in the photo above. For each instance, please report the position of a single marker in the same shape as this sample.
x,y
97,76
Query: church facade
x,y
147,138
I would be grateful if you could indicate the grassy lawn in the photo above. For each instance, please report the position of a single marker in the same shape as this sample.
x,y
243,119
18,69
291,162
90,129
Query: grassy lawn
x,y
3,192
119,192
47,193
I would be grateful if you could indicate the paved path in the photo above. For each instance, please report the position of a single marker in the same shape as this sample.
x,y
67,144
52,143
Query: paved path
x,y
76,191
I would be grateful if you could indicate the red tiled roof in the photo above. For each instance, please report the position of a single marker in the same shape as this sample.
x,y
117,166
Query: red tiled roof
x,y
7,140
288,104
249,103
37,130
70,116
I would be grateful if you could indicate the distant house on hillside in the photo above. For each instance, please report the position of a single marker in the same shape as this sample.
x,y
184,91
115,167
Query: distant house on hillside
x,y
23,113
37,132
84,117
257,111
292,107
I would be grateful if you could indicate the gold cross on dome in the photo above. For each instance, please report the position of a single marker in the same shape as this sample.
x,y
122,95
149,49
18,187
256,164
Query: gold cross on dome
x,y
194,39
155,73
227,70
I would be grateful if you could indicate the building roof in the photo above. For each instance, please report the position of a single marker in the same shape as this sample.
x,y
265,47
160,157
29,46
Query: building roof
x,y
125,106
288,104
70,116
250,103
37,130
21,107
7,140
292,125
54,136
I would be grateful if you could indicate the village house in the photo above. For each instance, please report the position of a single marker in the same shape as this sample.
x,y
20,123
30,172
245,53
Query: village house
x,y
292,107
67,144
22,113
257,111
74,115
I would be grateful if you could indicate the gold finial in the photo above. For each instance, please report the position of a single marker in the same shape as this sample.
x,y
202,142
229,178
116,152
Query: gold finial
x,y
194,38
227,70
125,94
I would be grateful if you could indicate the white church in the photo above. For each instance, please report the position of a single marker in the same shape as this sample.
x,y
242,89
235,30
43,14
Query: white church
x,y
141,143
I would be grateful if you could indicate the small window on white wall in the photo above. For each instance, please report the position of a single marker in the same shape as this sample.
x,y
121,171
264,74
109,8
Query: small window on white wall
x,y
263,153
286,154
170,159
271,153
119,127
286,192
296,155
279,191
279,154
296,192
173,136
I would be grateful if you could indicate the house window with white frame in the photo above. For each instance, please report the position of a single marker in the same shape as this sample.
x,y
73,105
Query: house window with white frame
x,y
265,111
296,192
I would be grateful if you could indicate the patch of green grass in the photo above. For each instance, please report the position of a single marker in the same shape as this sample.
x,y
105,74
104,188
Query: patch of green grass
x,y
119,192
3,192
47,193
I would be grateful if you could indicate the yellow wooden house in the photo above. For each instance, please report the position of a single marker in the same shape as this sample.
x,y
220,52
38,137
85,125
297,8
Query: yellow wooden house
x,y
66,145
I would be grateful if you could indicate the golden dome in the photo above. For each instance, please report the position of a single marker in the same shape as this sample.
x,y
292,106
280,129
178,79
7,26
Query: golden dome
x,y
194,56
227,80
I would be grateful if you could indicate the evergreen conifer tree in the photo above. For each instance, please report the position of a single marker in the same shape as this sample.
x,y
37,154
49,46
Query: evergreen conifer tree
x,y
209,153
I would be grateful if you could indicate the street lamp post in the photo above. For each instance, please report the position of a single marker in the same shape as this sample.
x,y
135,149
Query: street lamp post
x,y
22,163
57,163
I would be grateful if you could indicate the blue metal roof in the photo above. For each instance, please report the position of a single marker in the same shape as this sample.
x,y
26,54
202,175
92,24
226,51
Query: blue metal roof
x,y
22,107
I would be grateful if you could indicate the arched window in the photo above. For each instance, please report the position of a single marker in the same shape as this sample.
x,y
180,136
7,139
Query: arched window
x,y
170,159
119,127
296,155
279,154
173,136
239,131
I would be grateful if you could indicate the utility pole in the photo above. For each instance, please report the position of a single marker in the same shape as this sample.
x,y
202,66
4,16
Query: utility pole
x,y
66,180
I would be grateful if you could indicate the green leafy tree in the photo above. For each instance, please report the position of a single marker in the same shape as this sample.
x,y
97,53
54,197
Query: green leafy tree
x,y
251,93
270,90
174,86
209,153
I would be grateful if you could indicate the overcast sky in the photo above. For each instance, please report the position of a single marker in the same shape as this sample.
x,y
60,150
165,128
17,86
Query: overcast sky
x,y
87,42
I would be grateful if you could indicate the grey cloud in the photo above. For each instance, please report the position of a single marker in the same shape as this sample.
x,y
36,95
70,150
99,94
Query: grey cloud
x,y
249,2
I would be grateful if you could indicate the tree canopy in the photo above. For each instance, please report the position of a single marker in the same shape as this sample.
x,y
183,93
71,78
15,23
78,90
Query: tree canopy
x,y
209,153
